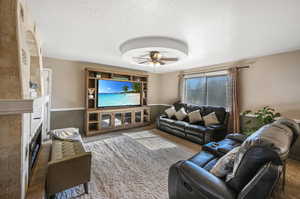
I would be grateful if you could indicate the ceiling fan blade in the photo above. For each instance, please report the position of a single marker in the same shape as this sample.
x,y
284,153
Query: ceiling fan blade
x,y
144,62
146,55
161,63
169,59
140,58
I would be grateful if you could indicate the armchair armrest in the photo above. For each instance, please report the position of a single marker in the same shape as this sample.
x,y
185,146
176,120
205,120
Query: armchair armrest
x,y
196,183
237,137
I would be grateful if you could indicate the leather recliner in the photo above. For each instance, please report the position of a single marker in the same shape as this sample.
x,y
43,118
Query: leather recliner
x,y
257,172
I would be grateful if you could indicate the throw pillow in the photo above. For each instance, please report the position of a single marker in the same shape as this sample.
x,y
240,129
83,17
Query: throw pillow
x,y
181,114
195,116
210,119
170,111
225,164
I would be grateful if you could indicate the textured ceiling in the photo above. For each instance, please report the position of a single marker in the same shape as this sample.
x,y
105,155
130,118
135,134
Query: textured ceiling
x,y
216,31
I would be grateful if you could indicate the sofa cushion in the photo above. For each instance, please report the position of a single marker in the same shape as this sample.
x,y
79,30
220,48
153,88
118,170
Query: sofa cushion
x,y
202,158
194,116
210,119
195,128
225,164
191,108
180,125
222,147
210,164
219,111
181,114
170,111
167,122
64,149
179,105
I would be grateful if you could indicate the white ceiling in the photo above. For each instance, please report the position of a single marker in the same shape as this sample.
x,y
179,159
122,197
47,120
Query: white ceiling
x,y
215,31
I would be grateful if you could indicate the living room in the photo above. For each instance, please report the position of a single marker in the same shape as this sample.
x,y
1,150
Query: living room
x,y
149,99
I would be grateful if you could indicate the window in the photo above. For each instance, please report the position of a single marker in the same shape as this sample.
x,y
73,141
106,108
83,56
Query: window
x,y
206,89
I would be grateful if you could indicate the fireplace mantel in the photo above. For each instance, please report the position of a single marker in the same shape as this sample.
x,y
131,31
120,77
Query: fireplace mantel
x,y
13,106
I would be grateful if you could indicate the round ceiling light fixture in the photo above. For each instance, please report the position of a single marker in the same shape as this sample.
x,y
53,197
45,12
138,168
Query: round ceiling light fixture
x,y
154,51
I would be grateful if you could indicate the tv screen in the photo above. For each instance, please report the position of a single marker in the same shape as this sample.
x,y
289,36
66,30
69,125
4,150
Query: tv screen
x,y
118,93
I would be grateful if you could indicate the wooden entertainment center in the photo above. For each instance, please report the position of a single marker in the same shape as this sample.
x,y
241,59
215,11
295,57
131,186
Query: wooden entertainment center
x,y
106,119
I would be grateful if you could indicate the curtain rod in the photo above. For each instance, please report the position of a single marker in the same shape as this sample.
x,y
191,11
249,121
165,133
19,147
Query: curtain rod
x,y
216,70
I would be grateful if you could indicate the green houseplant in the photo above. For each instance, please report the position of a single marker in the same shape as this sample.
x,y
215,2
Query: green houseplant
x,y
263,116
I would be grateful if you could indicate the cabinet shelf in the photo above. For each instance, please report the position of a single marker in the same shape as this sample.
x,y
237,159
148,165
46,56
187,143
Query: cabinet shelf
x,y
100,120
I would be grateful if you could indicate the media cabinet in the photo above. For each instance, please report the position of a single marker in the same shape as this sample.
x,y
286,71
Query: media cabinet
x,y
102,120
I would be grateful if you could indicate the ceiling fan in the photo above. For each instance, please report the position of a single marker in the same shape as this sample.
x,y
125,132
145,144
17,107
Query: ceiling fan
x,y
154,58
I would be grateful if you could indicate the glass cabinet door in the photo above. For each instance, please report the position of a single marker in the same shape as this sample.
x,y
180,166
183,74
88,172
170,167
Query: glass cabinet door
x,y
146,115
128,118
105,120
118,119
138,116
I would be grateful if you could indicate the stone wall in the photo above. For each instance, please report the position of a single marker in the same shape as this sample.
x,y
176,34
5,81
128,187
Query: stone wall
x,y
18,43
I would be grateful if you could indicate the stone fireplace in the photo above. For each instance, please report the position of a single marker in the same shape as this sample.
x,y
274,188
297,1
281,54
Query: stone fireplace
x,y
34,148
20,64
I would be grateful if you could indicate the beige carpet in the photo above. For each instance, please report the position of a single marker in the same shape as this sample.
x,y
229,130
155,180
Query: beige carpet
x,y
130,166
134,165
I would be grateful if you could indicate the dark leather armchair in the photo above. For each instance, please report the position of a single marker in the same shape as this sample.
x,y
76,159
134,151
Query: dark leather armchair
x,y
256,173
189,181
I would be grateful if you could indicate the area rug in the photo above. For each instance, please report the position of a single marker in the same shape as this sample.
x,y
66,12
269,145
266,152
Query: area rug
x,y
129,166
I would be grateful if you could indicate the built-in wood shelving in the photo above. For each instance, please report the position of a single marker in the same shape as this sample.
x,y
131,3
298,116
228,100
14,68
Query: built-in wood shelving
x,y
100,120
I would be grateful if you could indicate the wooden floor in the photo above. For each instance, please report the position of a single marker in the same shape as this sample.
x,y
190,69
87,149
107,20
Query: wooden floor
x,y
36,188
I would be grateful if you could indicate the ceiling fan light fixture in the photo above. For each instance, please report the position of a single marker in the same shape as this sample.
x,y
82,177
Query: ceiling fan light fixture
x,y
157,50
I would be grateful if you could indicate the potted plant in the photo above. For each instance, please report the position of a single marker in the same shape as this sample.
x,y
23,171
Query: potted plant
x,y
261,117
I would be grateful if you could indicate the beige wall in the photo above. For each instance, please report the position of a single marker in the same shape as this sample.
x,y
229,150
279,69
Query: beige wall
x,y
68,82
153,90
169,88
272,80
275,81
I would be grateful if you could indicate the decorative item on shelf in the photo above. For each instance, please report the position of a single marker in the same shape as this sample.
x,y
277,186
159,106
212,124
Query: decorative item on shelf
x,y
120,78
33,86
91,92
261,117
98,75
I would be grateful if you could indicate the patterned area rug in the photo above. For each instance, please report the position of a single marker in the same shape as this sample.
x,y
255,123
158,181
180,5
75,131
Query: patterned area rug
x,y
129,166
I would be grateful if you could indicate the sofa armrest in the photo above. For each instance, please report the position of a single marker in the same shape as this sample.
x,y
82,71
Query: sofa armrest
x,y
196,182
237,137
163,115
216,127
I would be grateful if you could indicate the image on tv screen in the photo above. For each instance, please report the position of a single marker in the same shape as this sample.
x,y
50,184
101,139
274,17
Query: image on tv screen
x,y
118,93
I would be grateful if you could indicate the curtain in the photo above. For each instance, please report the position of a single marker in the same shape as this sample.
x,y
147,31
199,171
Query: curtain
x,y
234,108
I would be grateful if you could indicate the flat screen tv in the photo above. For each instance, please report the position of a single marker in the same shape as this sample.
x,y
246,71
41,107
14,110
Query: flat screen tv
x,y
118,93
